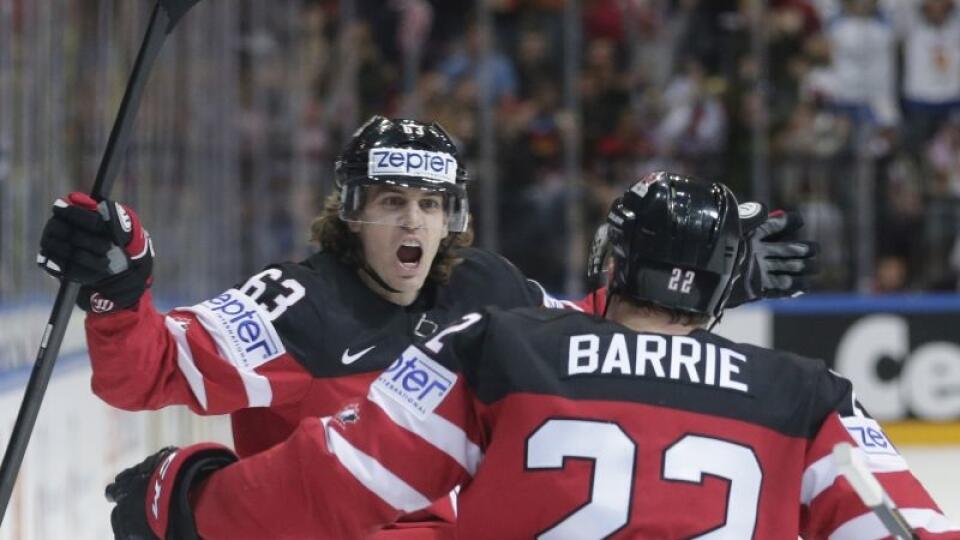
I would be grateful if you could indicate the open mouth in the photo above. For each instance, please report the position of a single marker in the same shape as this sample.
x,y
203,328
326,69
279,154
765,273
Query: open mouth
x,y
409,253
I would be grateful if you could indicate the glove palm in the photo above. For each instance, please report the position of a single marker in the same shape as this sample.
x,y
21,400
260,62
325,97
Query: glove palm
x,y
776,264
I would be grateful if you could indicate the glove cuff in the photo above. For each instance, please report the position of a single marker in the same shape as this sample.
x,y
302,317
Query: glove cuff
x,y
167,501
120,291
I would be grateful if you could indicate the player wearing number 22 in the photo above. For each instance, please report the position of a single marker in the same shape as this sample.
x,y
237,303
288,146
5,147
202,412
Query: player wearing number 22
x,y
565,425
297,340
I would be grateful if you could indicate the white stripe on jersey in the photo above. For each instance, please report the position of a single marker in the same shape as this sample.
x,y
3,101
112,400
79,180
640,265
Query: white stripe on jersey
x,y
259,393
245,337
374,476
185,360
550,302
869,527
257,387
822,473
454,500
435,429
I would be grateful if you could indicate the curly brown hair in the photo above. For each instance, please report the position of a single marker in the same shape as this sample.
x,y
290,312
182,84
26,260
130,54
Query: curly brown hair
x,y
333,236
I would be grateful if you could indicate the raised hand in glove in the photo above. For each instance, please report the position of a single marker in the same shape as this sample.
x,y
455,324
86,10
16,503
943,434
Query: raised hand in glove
x,y
776,264
103,246
152,498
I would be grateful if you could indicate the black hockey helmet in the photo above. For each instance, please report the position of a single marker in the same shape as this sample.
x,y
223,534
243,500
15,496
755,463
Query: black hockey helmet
x,y
675,243
403,153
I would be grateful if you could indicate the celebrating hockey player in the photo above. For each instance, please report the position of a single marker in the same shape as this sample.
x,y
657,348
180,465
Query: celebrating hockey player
x,y
560,424
297,340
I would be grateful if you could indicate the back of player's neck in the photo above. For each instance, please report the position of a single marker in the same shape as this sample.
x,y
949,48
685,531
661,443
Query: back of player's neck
x,y
642,320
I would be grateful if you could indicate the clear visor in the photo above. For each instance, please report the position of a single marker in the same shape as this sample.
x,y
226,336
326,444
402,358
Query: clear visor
x,y
406,207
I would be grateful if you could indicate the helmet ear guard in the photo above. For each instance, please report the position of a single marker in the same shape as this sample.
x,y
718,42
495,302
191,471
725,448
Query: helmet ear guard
x,y
596,261
598,256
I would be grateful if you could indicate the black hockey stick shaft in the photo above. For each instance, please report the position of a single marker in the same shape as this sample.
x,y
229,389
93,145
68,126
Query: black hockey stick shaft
x,y
165,15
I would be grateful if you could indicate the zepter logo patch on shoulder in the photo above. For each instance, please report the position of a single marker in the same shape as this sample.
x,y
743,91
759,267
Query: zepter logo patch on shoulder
x,y
416,381
242,330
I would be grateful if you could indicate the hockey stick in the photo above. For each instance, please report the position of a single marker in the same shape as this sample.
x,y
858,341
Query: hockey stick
x,y
870,491
165,15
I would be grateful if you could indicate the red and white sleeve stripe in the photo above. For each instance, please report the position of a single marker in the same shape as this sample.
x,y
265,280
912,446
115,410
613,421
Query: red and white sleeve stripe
x,y
296,489
423,458
216,357
347,475
831,509
414,438
368,470
441,433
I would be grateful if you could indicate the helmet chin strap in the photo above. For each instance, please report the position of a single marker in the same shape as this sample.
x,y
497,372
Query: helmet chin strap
x,y
714,322
377,279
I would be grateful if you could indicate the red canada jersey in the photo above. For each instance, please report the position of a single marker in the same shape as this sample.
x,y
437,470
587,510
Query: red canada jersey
x,y
562,425
294,341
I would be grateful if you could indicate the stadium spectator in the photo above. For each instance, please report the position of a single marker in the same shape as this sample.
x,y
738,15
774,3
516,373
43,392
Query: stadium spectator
x,y
860,81
943,155
464,62
694,125
930,30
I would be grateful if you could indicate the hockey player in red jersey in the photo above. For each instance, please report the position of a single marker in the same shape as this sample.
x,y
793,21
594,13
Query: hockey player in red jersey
x,y
559,424
297,340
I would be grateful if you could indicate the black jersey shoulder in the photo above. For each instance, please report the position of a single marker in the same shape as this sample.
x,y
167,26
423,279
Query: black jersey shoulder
x,y
797,392
336,318
531,350
339,316
483,278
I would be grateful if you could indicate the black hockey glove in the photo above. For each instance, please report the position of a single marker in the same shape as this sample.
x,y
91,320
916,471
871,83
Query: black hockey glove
x,y
776,265
152,498
102,246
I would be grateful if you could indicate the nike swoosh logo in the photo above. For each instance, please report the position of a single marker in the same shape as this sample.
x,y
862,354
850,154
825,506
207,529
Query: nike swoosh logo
x,y
348,358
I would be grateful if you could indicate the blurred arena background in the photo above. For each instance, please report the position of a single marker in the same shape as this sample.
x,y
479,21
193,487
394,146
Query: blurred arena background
x,y
847,110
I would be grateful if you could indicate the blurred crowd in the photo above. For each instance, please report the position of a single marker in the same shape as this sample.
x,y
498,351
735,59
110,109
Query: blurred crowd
x,y
846,110
875,85
855,104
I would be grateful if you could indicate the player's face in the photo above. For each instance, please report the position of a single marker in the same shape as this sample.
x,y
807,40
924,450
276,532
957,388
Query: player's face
x,y
401,229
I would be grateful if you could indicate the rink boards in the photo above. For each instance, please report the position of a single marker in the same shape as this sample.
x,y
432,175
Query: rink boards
x,y
905,364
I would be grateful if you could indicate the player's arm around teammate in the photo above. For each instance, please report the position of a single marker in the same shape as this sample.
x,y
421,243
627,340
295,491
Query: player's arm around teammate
x,y
339,477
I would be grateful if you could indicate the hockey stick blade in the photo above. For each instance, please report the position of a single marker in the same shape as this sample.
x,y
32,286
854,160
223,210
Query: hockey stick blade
x,y
850,463
165,15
